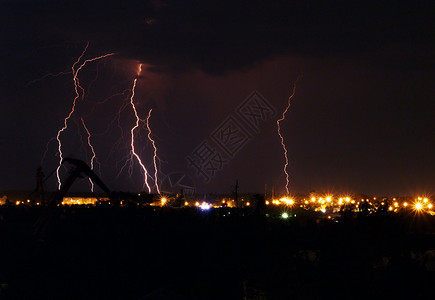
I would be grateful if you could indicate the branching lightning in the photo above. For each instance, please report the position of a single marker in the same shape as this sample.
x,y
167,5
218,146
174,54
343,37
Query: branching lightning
x,y
155,151
133,152
135,130
92,150
281,136
45,76
46,150
77,87
138,120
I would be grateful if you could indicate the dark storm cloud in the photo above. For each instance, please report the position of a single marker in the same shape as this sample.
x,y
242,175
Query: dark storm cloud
x,y
362,113
218,36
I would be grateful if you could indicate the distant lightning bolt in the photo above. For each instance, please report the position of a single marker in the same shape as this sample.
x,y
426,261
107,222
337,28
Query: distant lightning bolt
x,y
46,150
282,138
155,151
77,86
133,150
93,152
45,76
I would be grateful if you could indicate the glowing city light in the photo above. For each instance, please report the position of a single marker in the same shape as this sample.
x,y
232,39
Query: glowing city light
x,y
205,206
286,201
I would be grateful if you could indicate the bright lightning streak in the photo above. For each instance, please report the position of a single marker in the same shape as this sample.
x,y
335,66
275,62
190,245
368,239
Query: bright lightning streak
x,y
93,152
155,151
282,138
133,150
77,86
65,123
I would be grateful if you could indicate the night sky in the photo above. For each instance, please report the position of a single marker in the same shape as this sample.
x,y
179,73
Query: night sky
x,y
361,120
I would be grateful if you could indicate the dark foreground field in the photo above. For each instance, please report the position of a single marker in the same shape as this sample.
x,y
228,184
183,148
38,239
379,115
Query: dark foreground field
x,y
125,253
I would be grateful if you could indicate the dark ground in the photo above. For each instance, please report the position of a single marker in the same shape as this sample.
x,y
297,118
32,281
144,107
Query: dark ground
x,y
130,253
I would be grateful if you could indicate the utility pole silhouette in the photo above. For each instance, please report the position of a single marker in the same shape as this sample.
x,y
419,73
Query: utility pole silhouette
x,y
40,184
236,200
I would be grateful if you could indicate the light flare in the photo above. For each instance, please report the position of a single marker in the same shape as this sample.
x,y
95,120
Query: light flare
x,y
205,206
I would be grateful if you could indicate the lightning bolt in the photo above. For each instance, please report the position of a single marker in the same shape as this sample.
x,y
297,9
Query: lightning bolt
x,y
93,152
46,150
117,117
138,120
77,87
45,76
282,138
155,151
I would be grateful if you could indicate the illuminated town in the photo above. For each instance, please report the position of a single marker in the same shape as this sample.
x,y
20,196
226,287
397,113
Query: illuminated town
x,y
217,150
328,205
